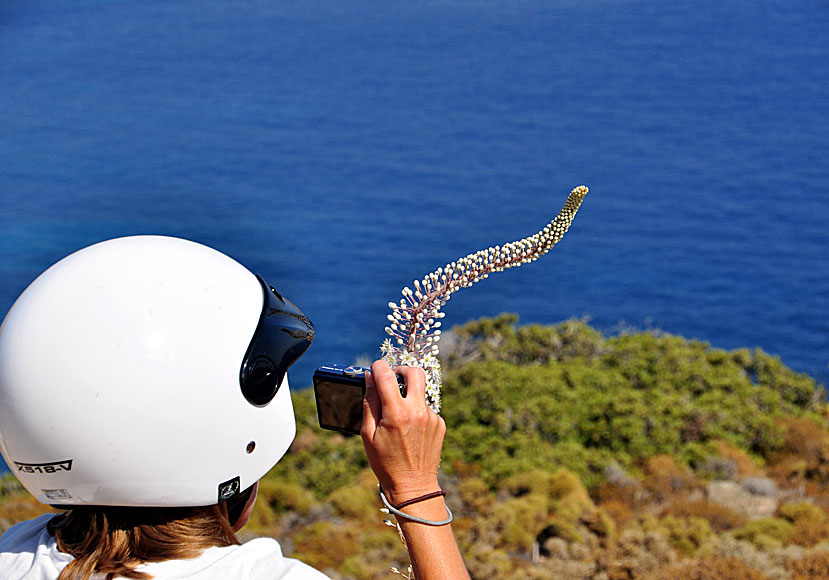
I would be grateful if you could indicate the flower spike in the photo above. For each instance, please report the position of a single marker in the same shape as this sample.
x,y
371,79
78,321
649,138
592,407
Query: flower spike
x,y
415,322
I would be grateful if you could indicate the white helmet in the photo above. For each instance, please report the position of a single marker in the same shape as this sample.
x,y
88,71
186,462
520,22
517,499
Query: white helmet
x,y
147,371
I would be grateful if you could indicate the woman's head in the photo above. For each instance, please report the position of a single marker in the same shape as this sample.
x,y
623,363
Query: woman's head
x,y
147,372
115,540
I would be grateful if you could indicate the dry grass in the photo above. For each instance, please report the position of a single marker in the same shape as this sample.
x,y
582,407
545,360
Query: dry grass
x,y
712,568
813,566
718,516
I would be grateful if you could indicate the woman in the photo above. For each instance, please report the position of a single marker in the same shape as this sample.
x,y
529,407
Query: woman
x,y
144,390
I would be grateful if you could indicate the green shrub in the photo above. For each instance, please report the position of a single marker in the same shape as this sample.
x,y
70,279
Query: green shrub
x,y
327,463
571,499
765,533
687,535
282,496
326,545
533,481
476,494
519,521
591,401
801,511
358,500
811,525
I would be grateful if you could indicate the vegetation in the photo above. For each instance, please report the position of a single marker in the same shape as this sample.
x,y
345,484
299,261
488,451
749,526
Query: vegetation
x,y
571,455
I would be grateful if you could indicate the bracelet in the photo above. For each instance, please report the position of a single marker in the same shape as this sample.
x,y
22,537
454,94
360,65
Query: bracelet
x,y
405,516
434,494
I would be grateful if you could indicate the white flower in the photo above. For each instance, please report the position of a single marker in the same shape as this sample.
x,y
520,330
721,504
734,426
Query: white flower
x,y
413,323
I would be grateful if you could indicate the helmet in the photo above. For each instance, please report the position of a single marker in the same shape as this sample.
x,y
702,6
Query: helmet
x,y
147,371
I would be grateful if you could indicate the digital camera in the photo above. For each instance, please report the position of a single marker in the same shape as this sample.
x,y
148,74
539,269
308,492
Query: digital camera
x,y
339,391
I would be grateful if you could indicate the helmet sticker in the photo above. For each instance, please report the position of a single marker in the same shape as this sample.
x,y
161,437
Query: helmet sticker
x,y
56,494
54,467
229,489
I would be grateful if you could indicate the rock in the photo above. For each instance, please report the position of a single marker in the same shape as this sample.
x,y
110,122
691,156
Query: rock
x,y
739,499
760,486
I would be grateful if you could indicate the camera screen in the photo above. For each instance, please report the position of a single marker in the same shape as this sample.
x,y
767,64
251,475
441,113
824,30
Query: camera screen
x,y
339,406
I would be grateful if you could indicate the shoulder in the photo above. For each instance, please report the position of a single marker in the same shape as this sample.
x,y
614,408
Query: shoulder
x,y
25,534
259,559
269,551
28,551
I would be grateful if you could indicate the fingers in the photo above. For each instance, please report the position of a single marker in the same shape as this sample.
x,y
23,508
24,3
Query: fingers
x,y
383,397
385,381
372,409
389,389
415,382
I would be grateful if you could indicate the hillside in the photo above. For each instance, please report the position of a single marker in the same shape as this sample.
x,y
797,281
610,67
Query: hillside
x,y
571,455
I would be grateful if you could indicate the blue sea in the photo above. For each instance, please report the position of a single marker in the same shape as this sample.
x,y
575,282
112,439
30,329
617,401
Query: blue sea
x,y
342,149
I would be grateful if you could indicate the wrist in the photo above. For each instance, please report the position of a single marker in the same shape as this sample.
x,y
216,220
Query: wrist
x,y
397,494
430,510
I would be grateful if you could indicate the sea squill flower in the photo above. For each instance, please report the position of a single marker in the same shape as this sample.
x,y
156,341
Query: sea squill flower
x,y
414,324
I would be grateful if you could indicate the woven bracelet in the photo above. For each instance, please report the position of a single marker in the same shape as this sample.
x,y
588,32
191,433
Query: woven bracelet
x,y
405,516
434,494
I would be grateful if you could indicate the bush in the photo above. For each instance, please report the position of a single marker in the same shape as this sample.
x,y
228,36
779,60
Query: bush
x,y
535,481
588,402
765,533
809,533
806,438
719,517
665,477
519,521
640,554
283,496
499,339
744,464
619,512
328,462
571,499
810,567
811,525
687,535
476,494
325,545
712,568
358,500
801,511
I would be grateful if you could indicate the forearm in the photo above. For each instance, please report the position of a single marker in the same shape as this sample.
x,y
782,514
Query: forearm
x,y
432,549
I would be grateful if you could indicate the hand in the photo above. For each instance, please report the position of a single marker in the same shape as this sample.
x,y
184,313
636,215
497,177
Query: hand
x,y
402,437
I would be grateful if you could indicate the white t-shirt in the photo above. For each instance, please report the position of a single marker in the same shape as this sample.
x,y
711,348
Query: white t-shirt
x,y
28,552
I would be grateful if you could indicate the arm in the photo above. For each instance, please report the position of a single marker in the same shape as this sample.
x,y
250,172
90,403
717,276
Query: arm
x,y
403,439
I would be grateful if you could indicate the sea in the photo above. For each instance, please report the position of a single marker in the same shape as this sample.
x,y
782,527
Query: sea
x,y
343,149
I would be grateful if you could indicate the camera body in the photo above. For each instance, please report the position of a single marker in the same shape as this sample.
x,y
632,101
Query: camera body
x,y
339,391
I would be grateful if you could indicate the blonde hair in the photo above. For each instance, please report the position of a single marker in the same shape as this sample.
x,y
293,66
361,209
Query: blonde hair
x,y
115,540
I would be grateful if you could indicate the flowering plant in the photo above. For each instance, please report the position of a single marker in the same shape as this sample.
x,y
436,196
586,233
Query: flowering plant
x,y
414,324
